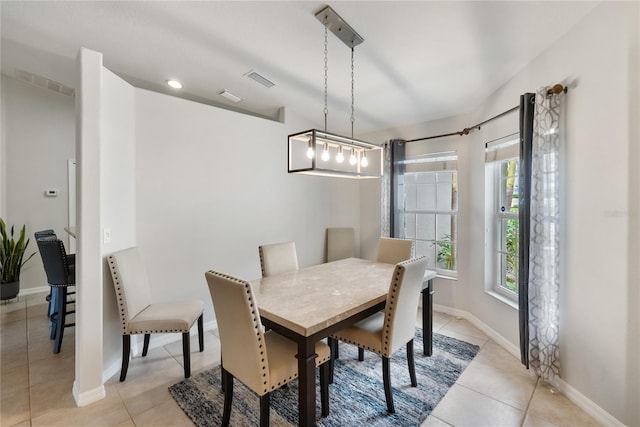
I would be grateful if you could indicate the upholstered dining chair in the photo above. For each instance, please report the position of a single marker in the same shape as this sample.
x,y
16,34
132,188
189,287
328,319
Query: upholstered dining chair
x,y
263,361
386,332
61,274
390,251
340,243
139,316
278,258
393,251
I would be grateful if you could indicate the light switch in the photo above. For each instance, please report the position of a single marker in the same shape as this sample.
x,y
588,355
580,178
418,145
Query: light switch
x,y
106,235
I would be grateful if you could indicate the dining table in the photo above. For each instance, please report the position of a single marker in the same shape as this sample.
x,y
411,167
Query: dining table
x,y
311,303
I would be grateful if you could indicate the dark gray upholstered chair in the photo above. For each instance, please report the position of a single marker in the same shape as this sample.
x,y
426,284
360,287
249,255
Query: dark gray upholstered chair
x,y
139,316
53,293
61,274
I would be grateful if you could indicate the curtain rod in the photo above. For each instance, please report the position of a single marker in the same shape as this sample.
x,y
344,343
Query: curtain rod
x,y
556,89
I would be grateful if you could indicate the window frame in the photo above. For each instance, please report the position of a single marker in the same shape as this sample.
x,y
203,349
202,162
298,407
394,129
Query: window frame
x,y
497,155
445,163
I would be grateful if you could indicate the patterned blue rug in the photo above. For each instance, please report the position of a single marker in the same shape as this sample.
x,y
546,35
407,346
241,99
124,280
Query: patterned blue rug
x,y
356,395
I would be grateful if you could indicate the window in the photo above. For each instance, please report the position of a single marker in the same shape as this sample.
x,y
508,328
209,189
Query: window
x,y
427,208
502,219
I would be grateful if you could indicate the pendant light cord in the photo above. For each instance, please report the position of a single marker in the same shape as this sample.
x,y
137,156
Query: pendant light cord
x,y
326,70
352,91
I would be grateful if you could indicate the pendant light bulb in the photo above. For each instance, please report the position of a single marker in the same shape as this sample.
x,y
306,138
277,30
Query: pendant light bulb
x,y
325,152
353,159
340,156
364,162
310,152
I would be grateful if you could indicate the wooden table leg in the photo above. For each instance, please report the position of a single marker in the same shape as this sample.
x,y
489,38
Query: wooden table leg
x,y
306,382
427,319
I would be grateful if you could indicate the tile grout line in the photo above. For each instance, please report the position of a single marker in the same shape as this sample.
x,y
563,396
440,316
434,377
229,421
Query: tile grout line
x,y
526,411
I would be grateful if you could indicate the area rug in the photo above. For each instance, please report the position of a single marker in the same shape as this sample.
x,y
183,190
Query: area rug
x,y
356,397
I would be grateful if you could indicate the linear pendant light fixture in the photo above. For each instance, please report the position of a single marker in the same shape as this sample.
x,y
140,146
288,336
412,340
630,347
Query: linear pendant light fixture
x,y
319,152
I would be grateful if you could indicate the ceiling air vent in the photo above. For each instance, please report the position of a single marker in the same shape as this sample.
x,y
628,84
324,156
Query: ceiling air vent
x,y
43,82
260,79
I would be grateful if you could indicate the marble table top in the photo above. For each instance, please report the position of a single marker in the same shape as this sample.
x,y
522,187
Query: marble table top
x,y
310,299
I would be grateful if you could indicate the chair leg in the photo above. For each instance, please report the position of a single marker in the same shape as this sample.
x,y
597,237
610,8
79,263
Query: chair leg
x,y
325,369
264,410
61,308
186,354
360,354
126,348
412,364
386,377
145,347
52,298
223,373
201,333
227,379
333,343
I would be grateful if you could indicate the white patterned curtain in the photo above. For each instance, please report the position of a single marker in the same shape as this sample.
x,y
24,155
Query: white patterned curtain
x,y
385,213
544,275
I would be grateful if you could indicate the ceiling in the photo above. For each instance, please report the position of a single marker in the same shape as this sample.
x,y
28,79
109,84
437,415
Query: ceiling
x,y
419,60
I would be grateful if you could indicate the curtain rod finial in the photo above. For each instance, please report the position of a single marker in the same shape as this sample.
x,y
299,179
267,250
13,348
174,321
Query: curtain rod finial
x,y
556,89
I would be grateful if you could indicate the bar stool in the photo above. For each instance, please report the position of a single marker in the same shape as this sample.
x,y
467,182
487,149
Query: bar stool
x,y
60,275
53,293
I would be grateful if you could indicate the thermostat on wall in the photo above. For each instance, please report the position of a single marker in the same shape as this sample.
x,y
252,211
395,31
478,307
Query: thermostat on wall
x,y
51,193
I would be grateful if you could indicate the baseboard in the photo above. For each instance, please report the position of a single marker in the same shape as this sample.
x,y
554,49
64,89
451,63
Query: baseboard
x,y
158,340
600,415
31,291
583,402
87,397
111,370
491,333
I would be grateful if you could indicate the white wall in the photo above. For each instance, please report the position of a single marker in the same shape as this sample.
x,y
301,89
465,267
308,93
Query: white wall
x,y
38,139
212,185
106,188
599,340
117,196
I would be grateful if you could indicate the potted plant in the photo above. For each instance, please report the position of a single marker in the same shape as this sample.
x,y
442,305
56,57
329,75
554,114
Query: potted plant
x,y
12,259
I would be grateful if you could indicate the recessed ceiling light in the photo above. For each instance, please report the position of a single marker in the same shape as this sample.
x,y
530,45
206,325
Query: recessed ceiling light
x,y
230,96
174,84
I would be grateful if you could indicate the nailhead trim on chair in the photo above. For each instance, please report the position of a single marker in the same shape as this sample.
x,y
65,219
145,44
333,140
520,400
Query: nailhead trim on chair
x,y
391,308
388,312
261,260
256,325
260,330
119,291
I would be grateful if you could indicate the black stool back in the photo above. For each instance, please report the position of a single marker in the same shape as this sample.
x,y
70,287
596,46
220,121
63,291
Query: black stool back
x,y
60,270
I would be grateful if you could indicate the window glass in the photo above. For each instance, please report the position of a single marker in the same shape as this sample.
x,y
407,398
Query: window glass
x,y
426,208
506,227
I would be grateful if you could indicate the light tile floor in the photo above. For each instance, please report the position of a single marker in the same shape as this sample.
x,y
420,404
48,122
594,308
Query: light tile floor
x,y
494,390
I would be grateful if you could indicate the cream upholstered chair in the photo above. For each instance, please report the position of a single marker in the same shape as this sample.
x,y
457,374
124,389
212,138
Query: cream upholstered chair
x,y
390,251
263,361
278,258
386,332
139,316
340,243
393,251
